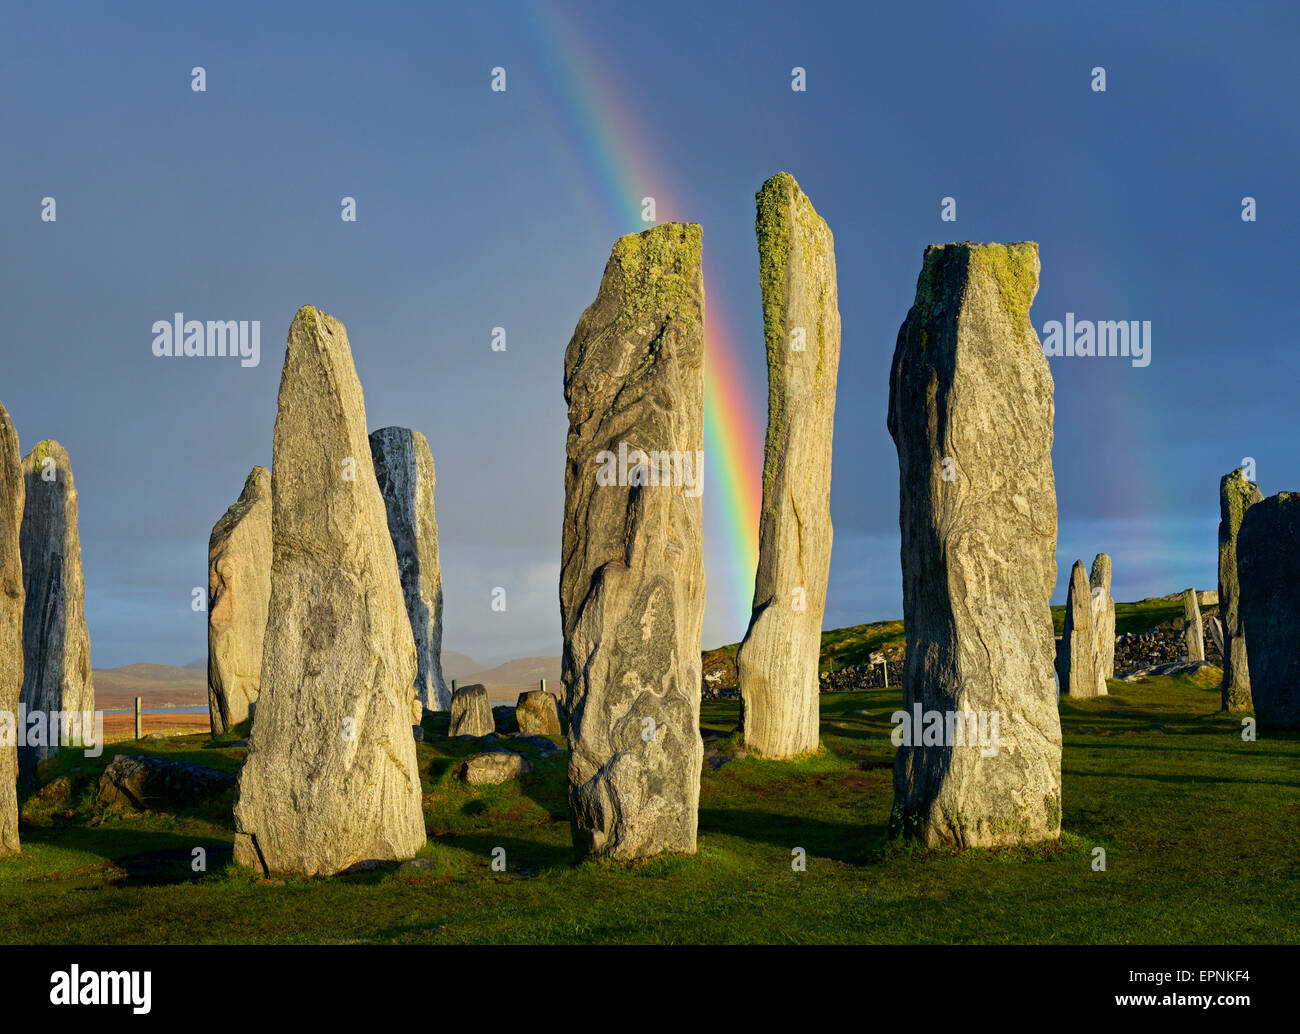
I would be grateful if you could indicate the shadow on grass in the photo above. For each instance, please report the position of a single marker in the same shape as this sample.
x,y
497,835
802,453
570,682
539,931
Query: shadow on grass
x,y
839,841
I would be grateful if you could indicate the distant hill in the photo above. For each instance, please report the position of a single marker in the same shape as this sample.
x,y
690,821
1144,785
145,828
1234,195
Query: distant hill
x,y
160,685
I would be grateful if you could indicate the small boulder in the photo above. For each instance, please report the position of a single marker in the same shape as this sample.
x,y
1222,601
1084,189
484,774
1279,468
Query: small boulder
x,y
146,782
471,714
493,767
537,714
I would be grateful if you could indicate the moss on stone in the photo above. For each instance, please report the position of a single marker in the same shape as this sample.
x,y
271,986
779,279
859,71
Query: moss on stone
x,y
657,268
1014,267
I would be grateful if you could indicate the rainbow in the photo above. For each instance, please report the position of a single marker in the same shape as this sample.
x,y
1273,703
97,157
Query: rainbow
x,y
617,164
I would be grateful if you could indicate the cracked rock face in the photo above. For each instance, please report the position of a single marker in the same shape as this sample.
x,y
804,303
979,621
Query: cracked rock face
x,y
778,660
56,646
1079,660
1236,496
1193,630
404,469
239,593
537,714
970,411
632,571
330,779
12,596
1268,567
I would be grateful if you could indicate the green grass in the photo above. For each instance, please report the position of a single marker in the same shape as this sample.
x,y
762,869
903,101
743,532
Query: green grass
x,y
1200,831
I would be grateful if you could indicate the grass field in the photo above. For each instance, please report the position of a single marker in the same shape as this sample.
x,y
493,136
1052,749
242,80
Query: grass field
x,y
1201,832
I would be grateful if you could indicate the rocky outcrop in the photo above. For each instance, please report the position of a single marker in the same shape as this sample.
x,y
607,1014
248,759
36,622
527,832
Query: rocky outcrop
x,y
12,494
1236,496
493,767
56,645
537,714
471,712
632,571
778,659
239,593
1078,660
1268,570
970,410
145,782
1193,630
1103,617
330,779
404,469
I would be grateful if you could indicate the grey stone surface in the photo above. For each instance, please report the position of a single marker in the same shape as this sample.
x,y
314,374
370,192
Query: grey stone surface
x,y
1103,616
471,713
1268,569
632,571
970,410
1236,496
146,782
239,593
778,660
330,778
12,493
495,766
56,645
1193,630
1079,660
537,714
404,470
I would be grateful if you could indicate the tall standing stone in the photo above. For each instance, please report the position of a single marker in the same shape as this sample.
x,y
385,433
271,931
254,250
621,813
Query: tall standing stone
x,y
1268,567
56,645
330,778
970,410
404,470
1237,494
1193,630
239,593
1103,617
12,493
778,660
632,569
1079,660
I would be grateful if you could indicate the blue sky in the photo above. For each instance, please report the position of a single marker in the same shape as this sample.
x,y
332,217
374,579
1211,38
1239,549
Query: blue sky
x,y
473,212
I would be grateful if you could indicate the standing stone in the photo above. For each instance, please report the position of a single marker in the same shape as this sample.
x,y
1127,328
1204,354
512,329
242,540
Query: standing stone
x,y
537,714
239,592
632,567
1215,629
970,410
330,778
1193,630
1079,660
471,712
1268,567
1103,617
56,646
1236,496
12,493
778,660
404,469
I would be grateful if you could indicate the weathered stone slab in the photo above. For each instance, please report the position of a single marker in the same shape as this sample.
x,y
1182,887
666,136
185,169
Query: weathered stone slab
x,y
13,492
1268,570
493,767
632,572
146,782
778,660
239,593
330,779
970,411
1193,629
1237,494
1078,661
1103,617
471,712
404,469
537,714
56,645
